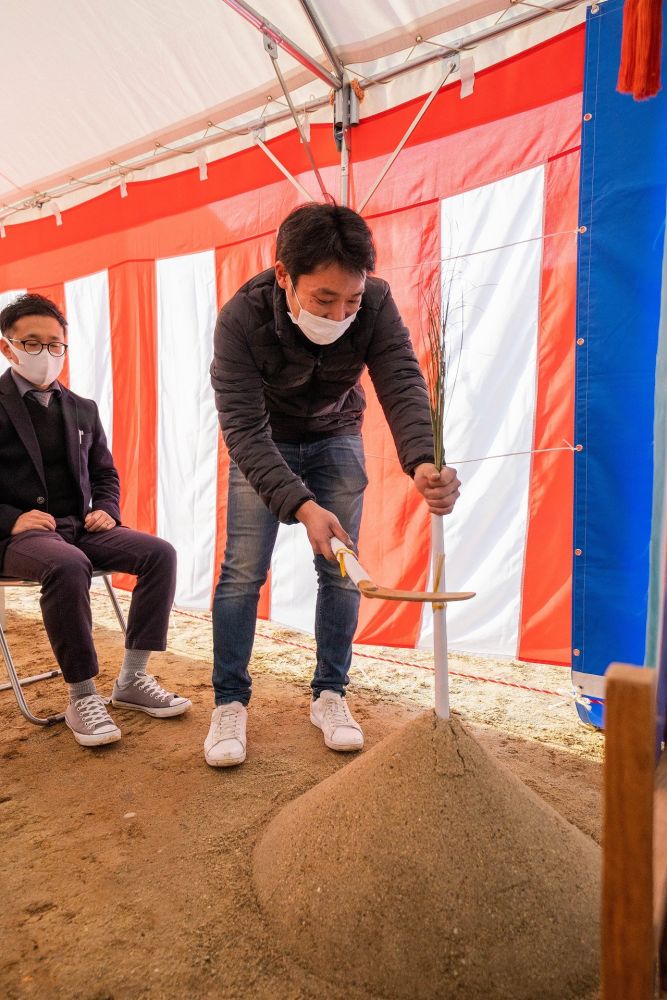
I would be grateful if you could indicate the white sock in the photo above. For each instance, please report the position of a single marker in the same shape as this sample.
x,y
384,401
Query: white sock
x,y
81,690
133,666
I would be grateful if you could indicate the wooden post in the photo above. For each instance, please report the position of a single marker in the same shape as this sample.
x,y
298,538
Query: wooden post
x,y
660,868
628,944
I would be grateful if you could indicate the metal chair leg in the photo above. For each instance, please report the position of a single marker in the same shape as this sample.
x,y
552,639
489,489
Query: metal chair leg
x,y
24,681
15,683
116,606
16,687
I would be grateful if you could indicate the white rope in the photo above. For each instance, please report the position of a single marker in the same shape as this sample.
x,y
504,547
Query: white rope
x,y
476,253
510,454
464,461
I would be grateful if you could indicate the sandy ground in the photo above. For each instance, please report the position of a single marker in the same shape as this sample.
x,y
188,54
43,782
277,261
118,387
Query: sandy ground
x,y
127,872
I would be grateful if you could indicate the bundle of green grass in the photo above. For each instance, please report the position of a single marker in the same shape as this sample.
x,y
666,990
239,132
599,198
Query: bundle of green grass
x,y
424,869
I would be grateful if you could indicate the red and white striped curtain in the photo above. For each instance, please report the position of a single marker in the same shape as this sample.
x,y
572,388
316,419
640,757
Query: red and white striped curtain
x,y
487,186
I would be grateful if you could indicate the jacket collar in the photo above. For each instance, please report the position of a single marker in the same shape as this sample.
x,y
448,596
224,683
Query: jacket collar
x,y
17,412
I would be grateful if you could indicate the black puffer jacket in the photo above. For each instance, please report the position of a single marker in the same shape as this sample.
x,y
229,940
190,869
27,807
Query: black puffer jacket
x,y
272,384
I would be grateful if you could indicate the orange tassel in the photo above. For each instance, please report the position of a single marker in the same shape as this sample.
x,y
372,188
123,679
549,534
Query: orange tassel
x,y
641,49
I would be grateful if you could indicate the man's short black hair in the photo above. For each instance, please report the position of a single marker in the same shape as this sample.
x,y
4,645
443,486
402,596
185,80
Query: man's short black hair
x,y
30,304
316,235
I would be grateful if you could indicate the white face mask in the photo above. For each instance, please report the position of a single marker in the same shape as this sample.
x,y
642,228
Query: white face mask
x,y
318,329
40,369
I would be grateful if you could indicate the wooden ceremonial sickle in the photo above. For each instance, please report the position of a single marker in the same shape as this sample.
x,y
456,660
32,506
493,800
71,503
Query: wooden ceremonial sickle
x,y
350,566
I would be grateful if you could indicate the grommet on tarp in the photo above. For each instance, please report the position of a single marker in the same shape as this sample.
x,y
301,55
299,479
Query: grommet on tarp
x,y
580,341
578,447
467,72
577,552
587,117
582,229
576,652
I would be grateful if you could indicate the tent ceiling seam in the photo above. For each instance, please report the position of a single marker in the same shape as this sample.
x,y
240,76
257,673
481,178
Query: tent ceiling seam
x,y
120,171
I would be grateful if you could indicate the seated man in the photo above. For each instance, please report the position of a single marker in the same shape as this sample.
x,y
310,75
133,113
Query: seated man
x,y
60,517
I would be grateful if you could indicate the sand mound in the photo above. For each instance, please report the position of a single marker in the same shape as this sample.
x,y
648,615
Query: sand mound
x,y
424,869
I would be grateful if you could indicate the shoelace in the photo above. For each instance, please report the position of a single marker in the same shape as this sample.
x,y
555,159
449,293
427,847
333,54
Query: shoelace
x,y
149,684
92,710
337,713
228,725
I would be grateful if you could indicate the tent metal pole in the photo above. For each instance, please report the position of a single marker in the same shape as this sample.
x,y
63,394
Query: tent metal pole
x,y
345,167
323,38
451,66
271,31
272,50
283,169
344,138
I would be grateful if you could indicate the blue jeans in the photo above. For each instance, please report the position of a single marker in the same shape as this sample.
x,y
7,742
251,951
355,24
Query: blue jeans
x,y
334,470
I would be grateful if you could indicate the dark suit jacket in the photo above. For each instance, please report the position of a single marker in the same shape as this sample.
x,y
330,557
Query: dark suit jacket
x,y
22,483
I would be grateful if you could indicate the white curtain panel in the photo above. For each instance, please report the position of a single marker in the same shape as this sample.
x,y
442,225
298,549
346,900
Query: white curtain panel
x,y
89,338
187,420
492,251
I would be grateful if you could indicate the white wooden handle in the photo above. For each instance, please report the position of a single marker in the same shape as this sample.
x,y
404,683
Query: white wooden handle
x,y
353,568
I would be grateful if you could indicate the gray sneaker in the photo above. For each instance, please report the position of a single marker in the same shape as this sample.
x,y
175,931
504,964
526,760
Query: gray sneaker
x,y
144,694
91,724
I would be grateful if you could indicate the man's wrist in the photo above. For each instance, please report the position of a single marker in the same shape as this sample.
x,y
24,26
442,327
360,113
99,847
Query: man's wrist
x,y
304,508
417,467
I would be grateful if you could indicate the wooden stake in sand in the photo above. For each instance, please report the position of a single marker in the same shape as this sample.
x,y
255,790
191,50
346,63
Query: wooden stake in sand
x,y
440,659
437,301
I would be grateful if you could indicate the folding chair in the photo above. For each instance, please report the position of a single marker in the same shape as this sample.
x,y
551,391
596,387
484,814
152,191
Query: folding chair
x,y
16,683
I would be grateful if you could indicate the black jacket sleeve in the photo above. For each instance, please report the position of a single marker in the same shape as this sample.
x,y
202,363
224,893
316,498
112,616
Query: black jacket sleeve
x,y
8,518
400,387
239,398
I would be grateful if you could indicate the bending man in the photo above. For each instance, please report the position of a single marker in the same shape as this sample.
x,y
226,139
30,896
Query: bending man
x,y
290,348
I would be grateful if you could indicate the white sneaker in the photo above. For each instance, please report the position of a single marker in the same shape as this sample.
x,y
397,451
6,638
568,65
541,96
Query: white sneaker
x,y
330,713
226,741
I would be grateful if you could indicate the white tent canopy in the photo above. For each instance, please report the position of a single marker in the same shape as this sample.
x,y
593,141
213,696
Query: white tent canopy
x,y
98,89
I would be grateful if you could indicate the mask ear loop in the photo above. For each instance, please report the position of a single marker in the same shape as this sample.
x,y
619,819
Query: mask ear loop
x,y
295,295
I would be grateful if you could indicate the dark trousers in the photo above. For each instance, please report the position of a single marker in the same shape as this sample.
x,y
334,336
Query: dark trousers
x,y
63,560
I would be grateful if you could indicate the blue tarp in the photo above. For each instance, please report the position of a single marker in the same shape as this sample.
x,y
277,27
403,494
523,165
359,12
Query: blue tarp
x,y
622,206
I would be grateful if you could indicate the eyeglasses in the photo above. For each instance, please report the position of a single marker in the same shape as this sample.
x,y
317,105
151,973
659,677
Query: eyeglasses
x,y
55,348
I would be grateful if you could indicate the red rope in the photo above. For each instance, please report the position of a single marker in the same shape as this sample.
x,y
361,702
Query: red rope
x,y
400,663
